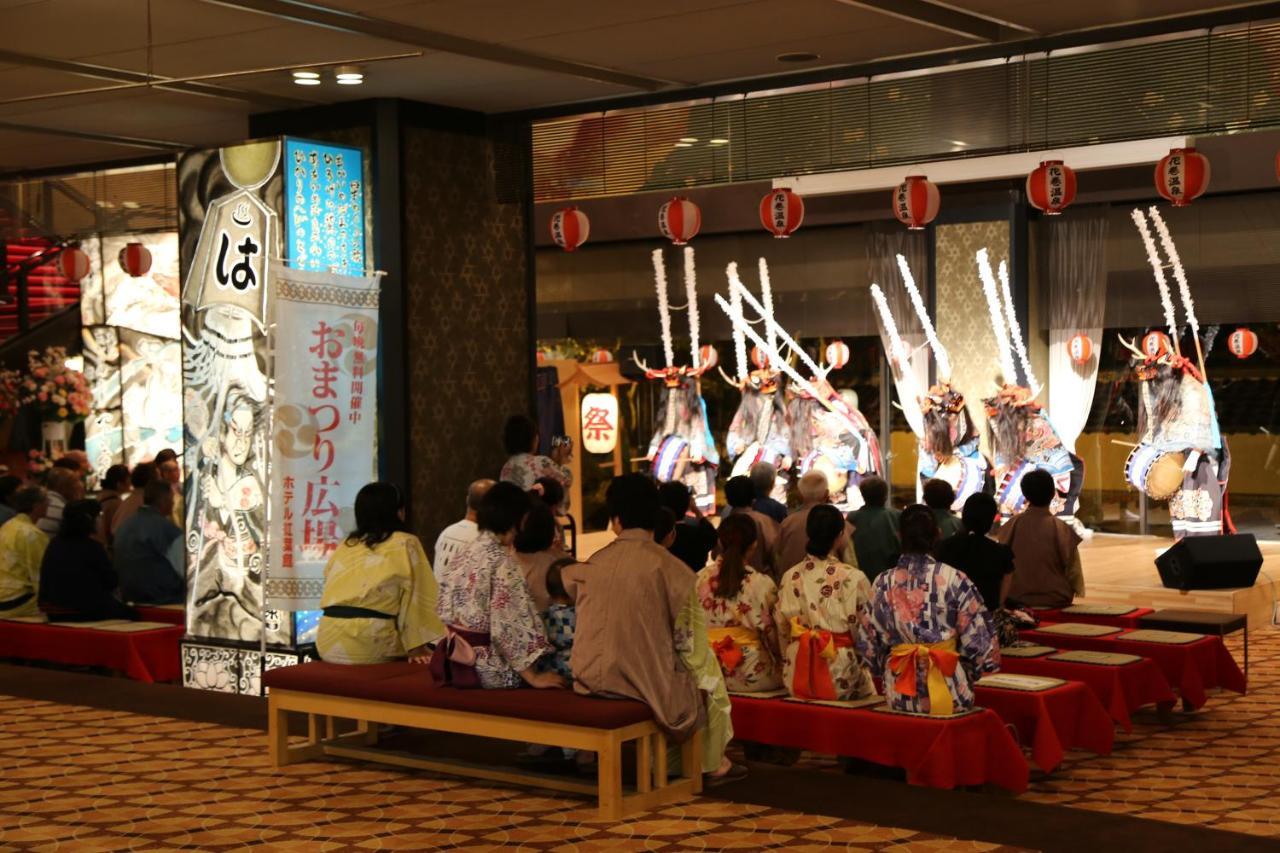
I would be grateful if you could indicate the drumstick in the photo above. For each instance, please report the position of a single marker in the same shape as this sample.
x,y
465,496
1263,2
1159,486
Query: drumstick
x,y
1123,443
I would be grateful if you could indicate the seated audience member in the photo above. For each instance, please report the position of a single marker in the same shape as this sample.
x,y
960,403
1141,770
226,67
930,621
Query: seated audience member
x,y
142,551
115,485
379,601
8,487
740,495
1046,550
550,492
524,464
536,550
171,472
740,606
938,496
493,631
142,474
63,486
664,527
820,602
695,537
77,582
641,633
875,529
22,546
461,533
77,461
926,634
793,537
560,621
984,561
763,477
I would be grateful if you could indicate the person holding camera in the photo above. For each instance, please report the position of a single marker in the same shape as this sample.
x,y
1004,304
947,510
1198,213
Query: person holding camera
x,y
524,464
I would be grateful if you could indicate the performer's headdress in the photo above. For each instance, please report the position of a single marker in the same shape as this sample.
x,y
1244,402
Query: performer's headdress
x,y
764,378
1148,363
1004,323
672,375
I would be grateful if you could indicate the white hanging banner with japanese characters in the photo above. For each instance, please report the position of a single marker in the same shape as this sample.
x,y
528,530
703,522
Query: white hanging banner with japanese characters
x,y
323,440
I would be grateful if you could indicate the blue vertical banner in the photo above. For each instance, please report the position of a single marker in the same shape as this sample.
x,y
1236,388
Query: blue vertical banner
x,y
324,207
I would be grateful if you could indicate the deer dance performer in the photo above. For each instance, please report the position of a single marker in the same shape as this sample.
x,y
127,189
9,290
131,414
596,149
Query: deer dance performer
x,y
1182,456
682,447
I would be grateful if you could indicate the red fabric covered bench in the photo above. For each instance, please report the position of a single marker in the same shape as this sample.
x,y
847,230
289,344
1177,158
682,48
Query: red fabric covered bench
x,y
404,694
150,654
1121,689
1049,722
168,614
1132,619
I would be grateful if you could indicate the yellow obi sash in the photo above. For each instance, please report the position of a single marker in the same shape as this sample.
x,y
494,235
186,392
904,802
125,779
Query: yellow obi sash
x,y
728,643
811,678
941,659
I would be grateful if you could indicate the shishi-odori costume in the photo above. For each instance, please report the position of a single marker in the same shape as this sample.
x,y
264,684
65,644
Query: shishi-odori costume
x,y
948,441
1022,437
682,447
1181,456
760,430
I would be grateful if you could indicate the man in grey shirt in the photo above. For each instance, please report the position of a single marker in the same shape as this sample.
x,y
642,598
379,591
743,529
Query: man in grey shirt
x,y
142,551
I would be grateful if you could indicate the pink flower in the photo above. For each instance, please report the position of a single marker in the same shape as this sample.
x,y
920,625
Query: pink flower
x,y
60,379
42,396
41,372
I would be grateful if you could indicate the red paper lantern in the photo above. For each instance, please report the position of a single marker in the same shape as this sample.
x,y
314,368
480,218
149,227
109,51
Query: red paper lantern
x,y
541,357
1051,187
73,264
781,212
1080,348
135,259
601,356
759,359
708,357
1156,344
915,202
837,354
679,220
1243,343
569,228
1182,175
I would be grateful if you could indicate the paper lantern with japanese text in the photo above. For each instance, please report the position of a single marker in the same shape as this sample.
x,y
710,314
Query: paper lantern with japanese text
x,y
1156,344
1182,175
1051,187
837,354
1243,343
781,212
758,359
601,356
599,423
679,220
708,358
135,259
1080,348
569,228
915,202
73,264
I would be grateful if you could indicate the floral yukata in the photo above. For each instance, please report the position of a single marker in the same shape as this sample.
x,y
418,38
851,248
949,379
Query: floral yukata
x,y
742,630
820,601
484,592
927,636
524,469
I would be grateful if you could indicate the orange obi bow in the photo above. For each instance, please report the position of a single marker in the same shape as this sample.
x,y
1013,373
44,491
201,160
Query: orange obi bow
x,y
812,676
941,659
728,643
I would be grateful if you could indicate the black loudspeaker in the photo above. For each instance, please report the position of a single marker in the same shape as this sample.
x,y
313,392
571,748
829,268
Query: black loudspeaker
x,y
1211,562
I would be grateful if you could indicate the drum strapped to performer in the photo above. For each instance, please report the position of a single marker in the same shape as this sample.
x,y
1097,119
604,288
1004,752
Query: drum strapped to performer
x,y
671,459
754,454
1156,472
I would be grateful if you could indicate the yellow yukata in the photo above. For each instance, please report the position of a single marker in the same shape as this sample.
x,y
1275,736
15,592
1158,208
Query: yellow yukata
x,y
22,547
695,652
393,577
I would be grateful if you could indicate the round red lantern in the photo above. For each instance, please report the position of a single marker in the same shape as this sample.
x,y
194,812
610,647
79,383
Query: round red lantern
x,y
541,356
1243,343
679,220
1156,344
781,212
601,356
1051,187
1080,348
135,259
837,354
915,202
1182,175
708,357
73,264
759,359
569,228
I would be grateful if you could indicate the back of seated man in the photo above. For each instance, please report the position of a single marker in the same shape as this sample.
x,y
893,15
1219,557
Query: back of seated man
x,y
1046,550
764,476
939,496
793,536
695,537
143,548
22,547
740,493
9,486
461,533
64,486
987,563
142,474
875,529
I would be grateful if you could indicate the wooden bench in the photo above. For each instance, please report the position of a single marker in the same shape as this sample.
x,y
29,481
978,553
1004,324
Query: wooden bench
x,y
403,694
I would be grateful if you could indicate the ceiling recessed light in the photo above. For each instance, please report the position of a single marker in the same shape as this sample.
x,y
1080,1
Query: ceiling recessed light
x,y
718,141
130,205
306,77
689,139
348,75
684,144
797,56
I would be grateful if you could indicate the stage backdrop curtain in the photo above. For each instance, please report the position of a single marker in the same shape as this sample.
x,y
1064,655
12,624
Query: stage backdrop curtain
x,y
1077,287
883,246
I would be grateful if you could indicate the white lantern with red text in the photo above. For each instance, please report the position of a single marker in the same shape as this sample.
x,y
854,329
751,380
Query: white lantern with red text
x,y
837,354
915,202
679,220
1156,344
758,359
781,212
708,358
73,264
599,423
601,356
1182,175
569,228
1051,187
1080,348
135,259
1243,343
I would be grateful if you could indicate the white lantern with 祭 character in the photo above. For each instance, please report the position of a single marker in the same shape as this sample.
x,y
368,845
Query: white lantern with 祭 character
x,y
599,423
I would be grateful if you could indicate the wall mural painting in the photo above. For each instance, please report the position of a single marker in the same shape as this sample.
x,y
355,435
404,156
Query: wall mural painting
x,y
103,429
151,395
147,303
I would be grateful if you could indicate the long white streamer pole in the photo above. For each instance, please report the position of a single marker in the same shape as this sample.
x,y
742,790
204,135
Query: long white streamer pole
x,y
1015,329
931,334
664,307
739,339
997,317
1157,270
691,298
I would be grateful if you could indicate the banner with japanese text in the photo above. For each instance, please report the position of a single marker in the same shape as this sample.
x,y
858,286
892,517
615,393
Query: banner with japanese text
x,y
323,426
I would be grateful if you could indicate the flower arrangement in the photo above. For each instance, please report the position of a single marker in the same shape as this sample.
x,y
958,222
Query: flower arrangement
x,y
37,463
10,392
58,392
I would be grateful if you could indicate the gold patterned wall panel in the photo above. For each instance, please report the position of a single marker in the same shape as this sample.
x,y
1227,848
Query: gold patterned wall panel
x,y
963,322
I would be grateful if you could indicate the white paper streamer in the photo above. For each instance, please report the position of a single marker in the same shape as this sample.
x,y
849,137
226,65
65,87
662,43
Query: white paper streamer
x,y
739,339
1015,329
691,298
1157,270
766,296
931,334
664,308
900,354
1179,275
997,317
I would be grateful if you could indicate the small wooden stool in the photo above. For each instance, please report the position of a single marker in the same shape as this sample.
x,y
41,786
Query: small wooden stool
x,y
1202,622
